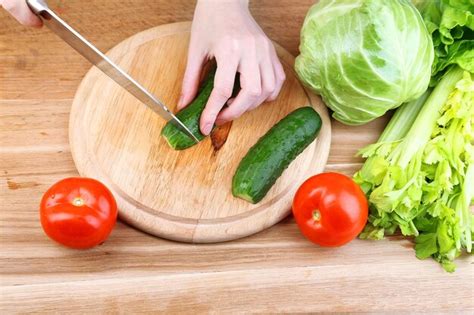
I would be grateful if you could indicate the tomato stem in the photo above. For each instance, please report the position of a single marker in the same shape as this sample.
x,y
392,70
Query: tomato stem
x,y
316,215
78,202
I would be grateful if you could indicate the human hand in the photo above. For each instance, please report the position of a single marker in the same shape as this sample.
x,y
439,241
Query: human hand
x,y
226,31
20,11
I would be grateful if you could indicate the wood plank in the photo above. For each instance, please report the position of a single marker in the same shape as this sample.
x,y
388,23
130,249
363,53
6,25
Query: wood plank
x,y
335,288
33,123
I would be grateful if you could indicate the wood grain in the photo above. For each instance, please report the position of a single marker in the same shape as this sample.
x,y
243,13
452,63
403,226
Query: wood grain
x,y
273,271
181,195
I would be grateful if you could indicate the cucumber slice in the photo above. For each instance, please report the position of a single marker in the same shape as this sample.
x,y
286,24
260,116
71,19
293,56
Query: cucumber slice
x,y
272,154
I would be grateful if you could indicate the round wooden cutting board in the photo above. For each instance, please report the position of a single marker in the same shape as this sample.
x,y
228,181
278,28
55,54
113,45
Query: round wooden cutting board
x,y
181,195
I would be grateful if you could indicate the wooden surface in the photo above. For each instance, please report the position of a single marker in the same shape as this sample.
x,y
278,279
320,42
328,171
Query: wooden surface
x,y
275,270
181,195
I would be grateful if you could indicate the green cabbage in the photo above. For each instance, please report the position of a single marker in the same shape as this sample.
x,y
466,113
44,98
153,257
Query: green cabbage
x,y
364,57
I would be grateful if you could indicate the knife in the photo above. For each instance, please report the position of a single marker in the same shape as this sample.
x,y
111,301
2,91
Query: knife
x,y
101,61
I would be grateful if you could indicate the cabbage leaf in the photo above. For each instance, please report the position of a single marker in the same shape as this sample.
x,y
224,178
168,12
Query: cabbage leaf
x,y
451,24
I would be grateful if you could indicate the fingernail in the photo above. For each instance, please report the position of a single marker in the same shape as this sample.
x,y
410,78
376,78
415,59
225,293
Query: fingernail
x,y
180,102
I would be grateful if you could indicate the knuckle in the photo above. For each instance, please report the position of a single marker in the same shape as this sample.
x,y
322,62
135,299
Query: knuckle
x,y
250,41
269,88
223,91
266,45
229,45
281,76
275,94
254,92
272,97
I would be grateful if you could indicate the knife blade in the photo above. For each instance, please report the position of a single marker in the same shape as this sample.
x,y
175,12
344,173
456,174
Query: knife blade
x,y
101,61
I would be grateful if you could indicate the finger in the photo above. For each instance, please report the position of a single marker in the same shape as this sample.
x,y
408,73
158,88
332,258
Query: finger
x,y
250,94
222,91
236,109
22,13
268,79
191,78
280,76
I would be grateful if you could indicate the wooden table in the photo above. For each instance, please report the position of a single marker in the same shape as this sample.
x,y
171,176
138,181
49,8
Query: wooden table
x,y
273,271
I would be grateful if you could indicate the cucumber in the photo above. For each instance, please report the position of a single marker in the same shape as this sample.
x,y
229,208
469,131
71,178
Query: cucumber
x,y
272,154
189,116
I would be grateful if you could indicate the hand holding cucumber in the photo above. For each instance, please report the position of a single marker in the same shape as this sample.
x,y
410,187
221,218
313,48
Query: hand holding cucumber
x,y
226,31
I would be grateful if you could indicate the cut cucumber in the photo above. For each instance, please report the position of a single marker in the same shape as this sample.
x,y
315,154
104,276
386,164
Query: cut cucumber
x,y
272,154
189,116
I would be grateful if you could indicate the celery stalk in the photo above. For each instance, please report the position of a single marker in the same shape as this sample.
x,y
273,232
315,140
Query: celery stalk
x,y
420,133
419,176
403,119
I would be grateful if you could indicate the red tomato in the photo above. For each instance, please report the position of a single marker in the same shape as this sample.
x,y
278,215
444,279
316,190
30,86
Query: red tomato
x,y
330,209
78,212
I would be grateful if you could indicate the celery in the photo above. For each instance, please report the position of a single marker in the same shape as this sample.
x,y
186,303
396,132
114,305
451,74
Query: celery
x,y
419,176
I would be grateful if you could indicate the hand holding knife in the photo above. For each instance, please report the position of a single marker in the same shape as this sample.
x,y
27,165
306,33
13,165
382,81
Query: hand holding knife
x,y
101,61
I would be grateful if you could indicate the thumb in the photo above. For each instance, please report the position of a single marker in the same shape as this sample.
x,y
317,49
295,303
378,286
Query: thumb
x,y
191,79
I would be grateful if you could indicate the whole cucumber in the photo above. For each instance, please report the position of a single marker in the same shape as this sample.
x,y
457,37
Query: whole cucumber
x,y
272,154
